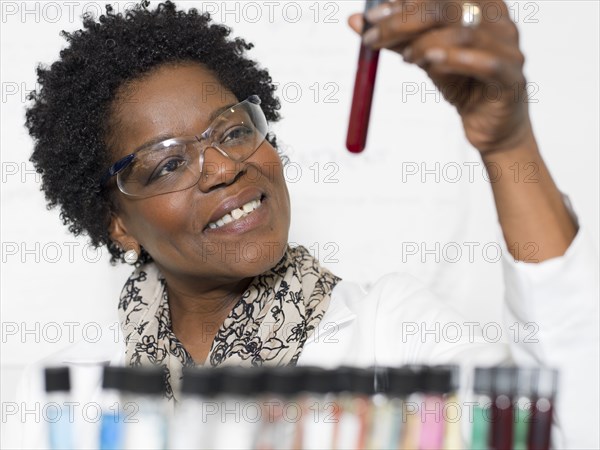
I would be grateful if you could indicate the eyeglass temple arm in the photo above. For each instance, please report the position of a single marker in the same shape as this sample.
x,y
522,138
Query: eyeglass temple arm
x,y
116,168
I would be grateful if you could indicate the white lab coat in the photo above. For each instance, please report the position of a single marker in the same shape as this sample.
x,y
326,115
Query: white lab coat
x,y
398,321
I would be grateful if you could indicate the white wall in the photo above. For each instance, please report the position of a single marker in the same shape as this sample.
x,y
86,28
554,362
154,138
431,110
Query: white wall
x,y
355,211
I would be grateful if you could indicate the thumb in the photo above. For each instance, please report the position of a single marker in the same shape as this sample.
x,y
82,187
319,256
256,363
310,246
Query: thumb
x,y
356,22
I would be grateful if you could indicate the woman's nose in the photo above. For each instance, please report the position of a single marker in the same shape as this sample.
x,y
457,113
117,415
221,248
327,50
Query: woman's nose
x,y
217,169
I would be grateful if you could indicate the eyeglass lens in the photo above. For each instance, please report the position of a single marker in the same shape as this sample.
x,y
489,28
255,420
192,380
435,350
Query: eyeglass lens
x,y
174,164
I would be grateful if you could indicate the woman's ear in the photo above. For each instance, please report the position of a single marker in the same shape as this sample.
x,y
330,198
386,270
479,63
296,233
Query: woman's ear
x,y
118,234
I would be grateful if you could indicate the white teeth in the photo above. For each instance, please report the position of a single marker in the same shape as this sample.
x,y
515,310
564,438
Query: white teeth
x,y
236,214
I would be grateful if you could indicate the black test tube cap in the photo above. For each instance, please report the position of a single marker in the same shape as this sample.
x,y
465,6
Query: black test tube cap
x,y
144,380
438,380
319,380
285,381
239,381
57,379
113,377
403,381
203,382
363,381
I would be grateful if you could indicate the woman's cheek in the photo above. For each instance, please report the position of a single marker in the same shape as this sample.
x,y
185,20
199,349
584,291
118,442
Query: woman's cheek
x,y
167,216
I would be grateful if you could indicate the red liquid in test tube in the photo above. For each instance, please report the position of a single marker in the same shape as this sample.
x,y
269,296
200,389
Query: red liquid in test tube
x,y
362,97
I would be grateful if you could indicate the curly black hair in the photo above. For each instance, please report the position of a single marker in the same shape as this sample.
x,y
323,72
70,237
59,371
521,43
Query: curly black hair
x,y
69,118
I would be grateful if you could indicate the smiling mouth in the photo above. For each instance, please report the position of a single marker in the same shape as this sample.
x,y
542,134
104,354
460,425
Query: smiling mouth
x,y
237,213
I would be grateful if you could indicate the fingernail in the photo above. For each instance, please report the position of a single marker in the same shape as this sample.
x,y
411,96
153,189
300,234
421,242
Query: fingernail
x,y
371,36
376,14
435,55
406,53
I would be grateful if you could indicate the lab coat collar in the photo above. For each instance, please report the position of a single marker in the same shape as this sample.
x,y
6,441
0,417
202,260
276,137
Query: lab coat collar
x,y
336,315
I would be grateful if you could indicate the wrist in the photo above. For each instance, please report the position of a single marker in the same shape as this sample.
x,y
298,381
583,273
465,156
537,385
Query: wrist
x,y
522,148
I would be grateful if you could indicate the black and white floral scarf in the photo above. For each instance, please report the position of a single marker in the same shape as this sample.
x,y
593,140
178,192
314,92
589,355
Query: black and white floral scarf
x,y
269,324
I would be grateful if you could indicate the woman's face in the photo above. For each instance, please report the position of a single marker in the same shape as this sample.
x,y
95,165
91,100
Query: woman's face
x,y
177,101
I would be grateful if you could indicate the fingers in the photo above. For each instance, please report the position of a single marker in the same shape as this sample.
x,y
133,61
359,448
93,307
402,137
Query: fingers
x,y
430,33
396,23
473,52
457,37
473,62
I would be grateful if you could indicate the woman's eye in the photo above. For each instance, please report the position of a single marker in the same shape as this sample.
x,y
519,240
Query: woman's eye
x,y
236,134
166,168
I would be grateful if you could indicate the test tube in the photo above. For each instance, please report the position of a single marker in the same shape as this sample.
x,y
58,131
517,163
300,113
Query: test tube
x,y
438,383
402,383
347,430
364,85
111,426
320,408
452,413
382,420
240,413
196,414
58,388
502,408
363,389
410,438
282,419
541,418
522,408
480,431
145,408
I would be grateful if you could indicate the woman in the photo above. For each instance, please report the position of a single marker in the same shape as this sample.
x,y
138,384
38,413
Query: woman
x,y
151,136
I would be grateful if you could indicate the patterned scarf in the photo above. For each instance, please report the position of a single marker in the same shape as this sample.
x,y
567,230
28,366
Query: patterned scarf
x,y
269,324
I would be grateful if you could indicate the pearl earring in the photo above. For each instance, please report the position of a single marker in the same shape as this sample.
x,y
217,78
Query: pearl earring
x,y
131,257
